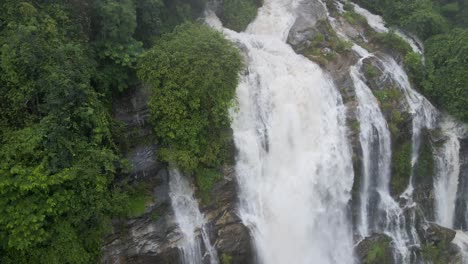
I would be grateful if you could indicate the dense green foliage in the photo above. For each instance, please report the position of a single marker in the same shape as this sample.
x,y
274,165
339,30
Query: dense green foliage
x,y
447,78
237,14
57,153
442,24
61,64
193,72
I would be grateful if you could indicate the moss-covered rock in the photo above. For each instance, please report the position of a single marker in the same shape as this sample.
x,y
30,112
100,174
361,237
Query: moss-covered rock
x,y
436,247
423,176
401,168
375,249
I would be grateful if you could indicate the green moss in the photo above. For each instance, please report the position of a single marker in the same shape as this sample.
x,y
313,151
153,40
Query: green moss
x,y
370,71
436,254
155,215
388,95
326,45
425,165
226,259
415,68
354,18
393,42
374,254
205,180
139,197
351,16
379,252
401,167
355,126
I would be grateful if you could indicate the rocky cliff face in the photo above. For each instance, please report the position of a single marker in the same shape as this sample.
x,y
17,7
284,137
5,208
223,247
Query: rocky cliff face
x,y
154,236
313,36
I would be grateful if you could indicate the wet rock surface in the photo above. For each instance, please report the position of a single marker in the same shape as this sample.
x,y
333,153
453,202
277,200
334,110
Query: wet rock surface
x,y
154,236
375,249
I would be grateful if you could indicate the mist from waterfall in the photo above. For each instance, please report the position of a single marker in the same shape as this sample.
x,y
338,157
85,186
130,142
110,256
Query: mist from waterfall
x,y
190,221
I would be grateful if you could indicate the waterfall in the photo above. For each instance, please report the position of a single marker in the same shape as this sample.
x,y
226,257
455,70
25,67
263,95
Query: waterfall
x,y
377,23
294,164
376,151
190,221
461,240
448,171
395,220
379,212
425,116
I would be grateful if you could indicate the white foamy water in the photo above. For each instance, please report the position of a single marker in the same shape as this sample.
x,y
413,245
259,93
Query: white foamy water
x,y
377,23
448,171
190,221
294,164
461,240
379,212
375,142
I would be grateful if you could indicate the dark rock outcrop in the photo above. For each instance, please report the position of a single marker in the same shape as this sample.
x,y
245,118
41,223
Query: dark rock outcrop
x,y
153,237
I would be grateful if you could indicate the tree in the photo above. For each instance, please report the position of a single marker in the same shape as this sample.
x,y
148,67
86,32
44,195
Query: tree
x,y
447,85
193,73
57,157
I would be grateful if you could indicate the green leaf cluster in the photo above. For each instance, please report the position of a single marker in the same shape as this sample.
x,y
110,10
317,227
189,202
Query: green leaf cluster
x,y
193,73
57,157
237,14
61,65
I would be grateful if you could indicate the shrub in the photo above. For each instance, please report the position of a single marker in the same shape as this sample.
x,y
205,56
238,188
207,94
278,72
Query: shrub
x,y
237,14
193,73
393,42
447,81
415,68
425,23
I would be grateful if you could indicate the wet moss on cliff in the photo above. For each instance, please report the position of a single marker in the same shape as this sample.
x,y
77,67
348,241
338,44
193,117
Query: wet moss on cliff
x,y
401,168
436,254
424,167
205,180
375,249
326,46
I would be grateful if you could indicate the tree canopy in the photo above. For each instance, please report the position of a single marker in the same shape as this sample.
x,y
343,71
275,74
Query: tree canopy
x,y
193,73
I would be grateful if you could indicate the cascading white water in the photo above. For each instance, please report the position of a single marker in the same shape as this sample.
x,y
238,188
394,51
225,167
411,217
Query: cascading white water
x,y
374,134
422,111
294,164
190,221
377,23
448,171
378,212
424,115
461,240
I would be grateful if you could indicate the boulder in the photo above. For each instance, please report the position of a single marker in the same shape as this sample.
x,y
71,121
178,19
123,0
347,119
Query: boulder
x,y
375,249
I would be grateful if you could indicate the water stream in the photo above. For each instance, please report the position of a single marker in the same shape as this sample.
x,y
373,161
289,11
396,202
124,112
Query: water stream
x,y
191,222
294,163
